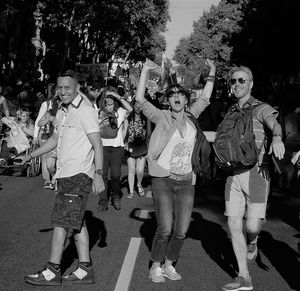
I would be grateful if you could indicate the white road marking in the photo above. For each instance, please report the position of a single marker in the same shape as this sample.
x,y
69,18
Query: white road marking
x,y
128,264
148,194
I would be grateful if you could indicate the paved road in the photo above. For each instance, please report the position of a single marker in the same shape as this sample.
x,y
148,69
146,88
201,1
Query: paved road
x,y
120,242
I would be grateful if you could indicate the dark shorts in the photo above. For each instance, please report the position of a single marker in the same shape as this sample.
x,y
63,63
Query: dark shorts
x,y
71,201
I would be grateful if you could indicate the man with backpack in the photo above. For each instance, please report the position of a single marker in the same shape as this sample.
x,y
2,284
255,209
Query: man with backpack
x,y
247,185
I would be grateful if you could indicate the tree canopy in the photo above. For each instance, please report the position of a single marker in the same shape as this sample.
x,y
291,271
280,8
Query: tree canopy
x,y
256,33
85,30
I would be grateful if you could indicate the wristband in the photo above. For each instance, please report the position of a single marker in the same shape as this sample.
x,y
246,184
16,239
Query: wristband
x,y
31,157
275,135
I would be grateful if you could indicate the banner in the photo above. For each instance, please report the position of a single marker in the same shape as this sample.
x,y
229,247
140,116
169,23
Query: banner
x,y
96,73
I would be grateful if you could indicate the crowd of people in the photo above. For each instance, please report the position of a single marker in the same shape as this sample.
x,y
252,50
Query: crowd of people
x,y
83,139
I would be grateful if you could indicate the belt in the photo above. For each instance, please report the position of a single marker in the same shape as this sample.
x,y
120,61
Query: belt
x,y
181,177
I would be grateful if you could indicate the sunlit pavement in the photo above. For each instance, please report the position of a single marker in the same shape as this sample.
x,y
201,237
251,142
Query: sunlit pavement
x,y
121,241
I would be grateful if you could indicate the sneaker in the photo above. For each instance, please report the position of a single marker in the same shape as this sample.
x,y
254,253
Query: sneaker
x,y
49,276
130,195
252,252
171,273
238,283
116,203
156,275
52,186
47,185
82,275
141,191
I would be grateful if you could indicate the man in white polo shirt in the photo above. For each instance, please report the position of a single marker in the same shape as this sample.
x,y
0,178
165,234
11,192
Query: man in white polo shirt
x,y
79,170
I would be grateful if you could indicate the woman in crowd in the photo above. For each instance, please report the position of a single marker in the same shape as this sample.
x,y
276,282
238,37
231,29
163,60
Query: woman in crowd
x,y
113,110
20,131
42,131
136,149
170,165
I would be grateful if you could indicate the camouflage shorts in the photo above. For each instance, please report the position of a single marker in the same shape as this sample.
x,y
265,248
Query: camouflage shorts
x,y
71,201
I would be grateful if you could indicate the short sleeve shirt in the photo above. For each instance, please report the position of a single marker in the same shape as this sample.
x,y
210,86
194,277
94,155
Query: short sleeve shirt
x,y
260,113
75,153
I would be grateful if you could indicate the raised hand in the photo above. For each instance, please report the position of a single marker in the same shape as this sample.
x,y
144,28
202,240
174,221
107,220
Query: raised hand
x,y
210,63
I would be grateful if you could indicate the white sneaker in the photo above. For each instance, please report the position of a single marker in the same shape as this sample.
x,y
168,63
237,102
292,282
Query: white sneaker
x,y
171,273
156,275
47,185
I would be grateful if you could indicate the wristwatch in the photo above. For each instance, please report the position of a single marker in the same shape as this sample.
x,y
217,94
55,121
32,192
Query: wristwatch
x,y
99,172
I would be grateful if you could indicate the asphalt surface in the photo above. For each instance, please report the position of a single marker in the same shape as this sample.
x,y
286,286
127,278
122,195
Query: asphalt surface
x,y
206,261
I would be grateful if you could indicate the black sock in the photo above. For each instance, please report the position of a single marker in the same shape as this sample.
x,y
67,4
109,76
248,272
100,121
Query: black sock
x,y
55,266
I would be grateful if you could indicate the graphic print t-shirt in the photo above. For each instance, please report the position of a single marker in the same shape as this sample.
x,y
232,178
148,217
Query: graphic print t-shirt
x,y
176,156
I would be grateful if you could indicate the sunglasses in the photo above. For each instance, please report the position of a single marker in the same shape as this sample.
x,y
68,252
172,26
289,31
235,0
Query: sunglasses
x,y
173,93
240,80
92,88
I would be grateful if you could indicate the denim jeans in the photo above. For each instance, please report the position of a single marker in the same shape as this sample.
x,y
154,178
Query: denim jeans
x,y
112,157
173,203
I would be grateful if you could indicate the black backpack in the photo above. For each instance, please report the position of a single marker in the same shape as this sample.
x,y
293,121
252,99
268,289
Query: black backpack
x,y
201,153
234,145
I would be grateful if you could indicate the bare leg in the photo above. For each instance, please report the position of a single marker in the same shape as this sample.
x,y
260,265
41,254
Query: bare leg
x,y
140,168
239,245
82,245
45,172
58,240
131,174
253,227
51,162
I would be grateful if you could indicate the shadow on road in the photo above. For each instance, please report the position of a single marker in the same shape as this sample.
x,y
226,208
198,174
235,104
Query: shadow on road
x,y
215,242
284,208
97,233
148,228
213,237
283,258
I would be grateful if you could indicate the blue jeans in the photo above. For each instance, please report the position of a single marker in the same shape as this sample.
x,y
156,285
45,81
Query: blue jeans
x,y
112,158
173,202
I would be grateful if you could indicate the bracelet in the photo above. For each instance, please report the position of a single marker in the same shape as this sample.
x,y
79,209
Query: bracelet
x,y
31,157
210,78
274,135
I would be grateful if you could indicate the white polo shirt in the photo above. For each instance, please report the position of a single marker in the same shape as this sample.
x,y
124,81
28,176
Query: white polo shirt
x,y
75,153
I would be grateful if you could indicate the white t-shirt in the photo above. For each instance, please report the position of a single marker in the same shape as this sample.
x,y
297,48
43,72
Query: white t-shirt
x,y
177,155
117,141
